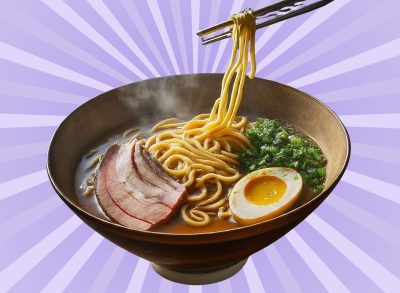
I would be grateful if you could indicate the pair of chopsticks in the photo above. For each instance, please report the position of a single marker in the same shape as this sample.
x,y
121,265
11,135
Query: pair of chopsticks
x,y
273,13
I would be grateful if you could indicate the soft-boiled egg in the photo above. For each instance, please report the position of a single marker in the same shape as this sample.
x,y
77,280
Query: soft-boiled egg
x,y
264,194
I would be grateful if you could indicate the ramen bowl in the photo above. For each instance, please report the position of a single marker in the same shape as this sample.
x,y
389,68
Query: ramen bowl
x,y
202,257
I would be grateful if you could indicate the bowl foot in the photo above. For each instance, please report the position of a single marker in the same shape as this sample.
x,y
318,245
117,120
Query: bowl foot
x,y
199,278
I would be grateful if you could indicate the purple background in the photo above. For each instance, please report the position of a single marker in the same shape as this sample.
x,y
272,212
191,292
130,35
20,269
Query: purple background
x,y
55,55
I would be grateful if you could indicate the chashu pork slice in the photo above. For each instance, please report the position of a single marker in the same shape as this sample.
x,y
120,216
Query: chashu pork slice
x,y
110,208
139,178
120,205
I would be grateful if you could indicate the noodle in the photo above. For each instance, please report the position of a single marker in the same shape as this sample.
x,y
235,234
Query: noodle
x,y
200,152
129,132
90,153
95,162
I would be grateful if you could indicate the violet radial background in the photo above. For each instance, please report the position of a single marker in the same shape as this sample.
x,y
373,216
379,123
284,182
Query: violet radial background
x,y
56,55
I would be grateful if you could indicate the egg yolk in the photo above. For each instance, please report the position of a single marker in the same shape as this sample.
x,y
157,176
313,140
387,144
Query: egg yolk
x,y
265,190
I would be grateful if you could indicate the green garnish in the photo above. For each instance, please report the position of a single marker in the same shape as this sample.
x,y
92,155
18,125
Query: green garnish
x,y
277,144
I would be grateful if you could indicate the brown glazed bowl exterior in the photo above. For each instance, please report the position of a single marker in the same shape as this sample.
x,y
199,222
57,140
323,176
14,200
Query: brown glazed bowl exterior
x,y
144,103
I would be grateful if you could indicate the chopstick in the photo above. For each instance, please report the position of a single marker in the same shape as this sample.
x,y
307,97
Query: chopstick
x,y
277,12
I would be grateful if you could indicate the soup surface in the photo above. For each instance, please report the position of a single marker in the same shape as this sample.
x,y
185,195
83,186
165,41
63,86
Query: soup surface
x,y
88,166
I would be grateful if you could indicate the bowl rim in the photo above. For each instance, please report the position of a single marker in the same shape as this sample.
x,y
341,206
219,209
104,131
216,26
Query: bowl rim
x,y
195,236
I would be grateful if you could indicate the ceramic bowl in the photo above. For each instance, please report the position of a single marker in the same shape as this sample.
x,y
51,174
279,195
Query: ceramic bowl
x,y
203,257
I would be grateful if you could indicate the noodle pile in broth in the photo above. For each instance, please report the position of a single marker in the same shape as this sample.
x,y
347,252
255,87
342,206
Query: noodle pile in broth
x,y
200,152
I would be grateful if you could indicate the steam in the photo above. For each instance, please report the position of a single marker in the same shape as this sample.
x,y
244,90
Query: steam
x,y
166,97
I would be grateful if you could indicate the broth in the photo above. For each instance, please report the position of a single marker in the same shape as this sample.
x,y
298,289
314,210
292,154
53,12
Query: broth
x,y
176,224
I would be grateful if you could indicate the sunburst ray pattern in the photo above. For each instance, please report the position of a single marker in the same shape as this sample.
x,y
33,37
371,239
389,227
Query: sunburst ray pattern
x,y
55,55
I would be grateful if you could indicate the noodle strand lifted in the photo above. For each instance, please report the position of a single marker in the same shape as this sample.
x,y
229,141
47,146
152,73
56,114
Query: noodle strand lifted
x,y
200,152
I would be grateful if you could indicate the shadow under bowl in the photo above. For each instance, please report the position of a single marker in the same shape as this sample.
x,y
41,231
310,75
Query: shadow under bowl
x,y
202,257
